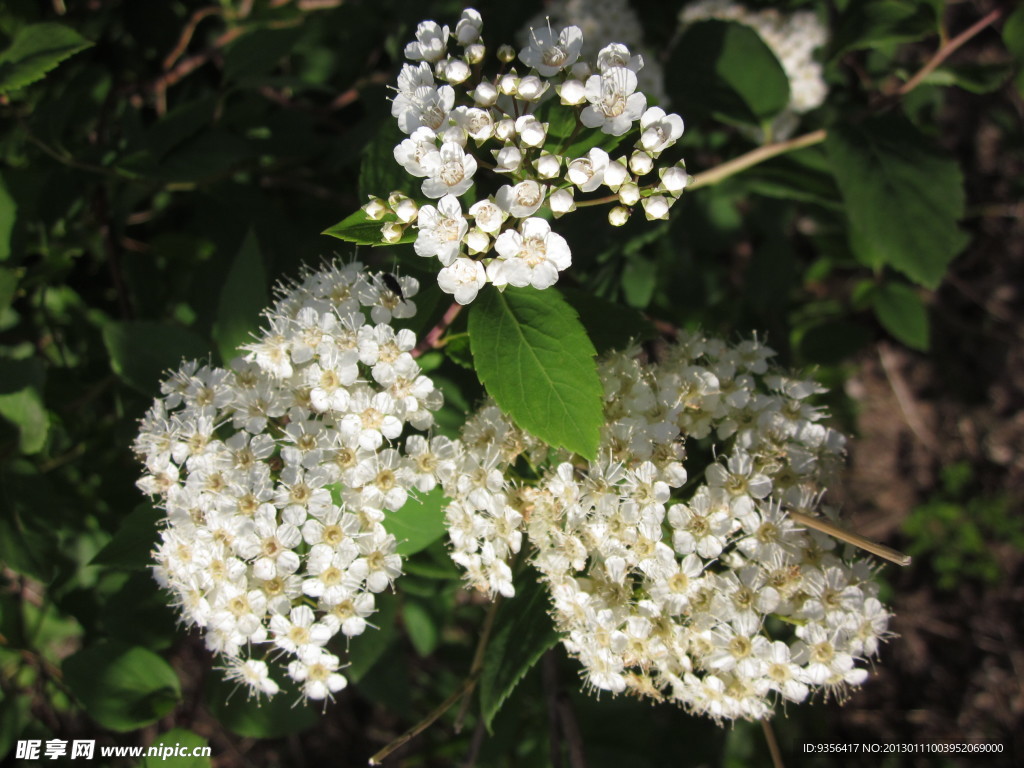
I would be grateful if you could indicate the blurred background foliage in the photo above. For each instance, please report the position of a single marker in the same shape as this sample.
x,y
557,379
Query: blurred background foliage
x,y
163,164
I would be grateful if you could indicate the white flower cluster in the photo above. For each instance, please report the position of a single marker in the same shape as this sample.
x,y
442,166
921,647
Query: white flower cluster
x,y
793,38
277,474
706,592
602,20
460,122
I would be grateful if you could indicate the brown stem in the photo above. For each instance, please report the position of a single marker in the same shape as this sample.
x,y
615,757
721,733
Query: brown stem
x,y
946,50
433,337
187,33
773,743
478,660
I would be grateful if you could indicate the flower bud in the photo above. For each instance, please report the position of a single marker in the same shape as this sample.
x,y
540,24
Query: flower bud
x,y
531,131
392,232
615,174
629,193
581,70
505,129
406,210
485,94
561,202
674,179
475,53
456,71
375,209
468,29
656,207
477,241
506,54
571,92
508,158
532,88
548,166
618,216
641,163
509,84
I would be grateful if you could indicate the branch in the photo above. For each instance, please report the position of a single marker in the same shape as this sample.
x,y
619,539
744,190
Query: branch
x,y
946,50
754,157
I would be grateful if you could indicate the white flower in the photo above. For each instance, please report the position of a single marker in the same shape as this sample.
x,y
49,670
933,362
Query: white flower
x,y
431,42
476,122
614,105
418,103
463,278
469,26
451,171
317,671
572,92
412,152
561,202
441,229
508,159
532,256
618,55
487,216
548,53
522,200
455,71
531,88
548,166
658,131
485,94
674,179
587,173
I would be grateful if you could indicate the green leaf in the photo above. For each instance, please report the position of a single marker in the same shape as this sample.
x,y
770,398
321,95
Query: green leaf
x,y
171,744
379,173
35,50
366,649
902,313
535,359
242,298
142,351
831,342
975,78
8,284
420,627
21,402
8,215
724,69
523,632
804,176
131,547
903,197
122,687
257,719
1013,37
419,523
882,22
362,230
610,326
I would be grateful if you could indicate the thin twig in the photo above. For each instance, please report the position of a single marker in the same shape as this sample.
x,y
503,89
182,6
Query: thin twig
x,y
946,50
856,539
433,337
755,156
478,661
422,725
187,33
773,743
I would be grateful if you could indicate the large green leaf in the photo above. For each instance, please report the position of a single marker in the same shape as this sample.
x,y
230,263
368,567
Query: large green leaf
x,y
242,298
724,69
362,230
419,523
902,313
535,359
21,402
903,197
379,173
131,546
1013,37
141,351
257,719
366,649
881,22
122,687
176,749
523,632
8,215
35,50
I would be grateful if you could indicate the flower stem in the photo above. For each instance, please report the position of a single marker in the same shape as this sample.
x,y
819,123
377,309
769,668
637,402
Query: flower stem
x,y
478,660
